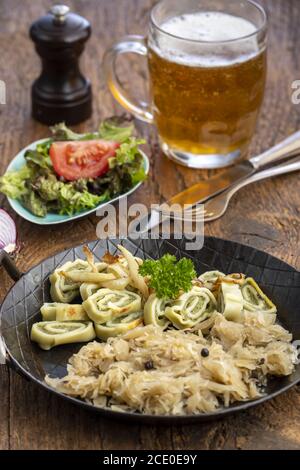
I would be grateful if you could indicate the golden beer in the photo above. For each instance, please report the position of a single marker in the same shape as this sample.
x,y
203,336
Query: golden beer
x,y
207,67
207,110
206,96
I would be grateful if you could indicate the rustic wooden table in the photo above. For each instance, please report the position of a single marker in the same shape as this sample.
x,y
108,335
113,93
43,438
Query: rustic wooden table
x,y
266,217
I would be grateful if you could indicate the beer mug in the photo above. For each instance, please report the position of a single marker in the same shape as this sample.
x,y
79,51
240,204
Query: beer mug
x,y
207,64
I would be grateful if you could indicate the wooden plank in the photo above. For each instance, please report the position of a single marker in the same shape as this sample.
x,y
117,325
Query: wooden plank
x,y
267,217
4,408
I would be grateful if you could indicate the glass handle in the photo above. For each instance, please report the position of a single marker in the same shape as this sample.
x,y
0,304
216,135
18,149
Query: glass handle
x,y
129,44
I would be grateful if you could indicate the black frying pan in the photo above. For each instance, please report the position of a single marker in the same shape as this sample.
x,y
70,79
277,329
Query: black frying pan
x,y
21,307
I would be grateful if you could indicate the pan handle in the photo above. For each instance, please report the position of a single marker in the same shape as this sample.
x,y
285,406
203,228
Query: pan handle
x,y
10,267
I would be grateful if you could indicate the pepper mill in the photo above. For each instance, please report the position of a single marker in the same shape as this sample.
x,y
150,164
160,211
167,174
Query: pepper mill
x,y
61,92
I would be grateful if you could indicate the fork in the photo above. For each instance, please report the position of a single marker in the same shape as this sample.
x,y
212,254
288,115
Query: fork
x,y
217,206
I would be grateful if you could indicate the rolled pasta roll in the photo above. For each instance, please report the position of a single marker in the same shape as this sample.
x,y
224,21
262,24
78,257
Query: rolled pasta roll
x,y
191,308
154,312
254,298
231,301
209,278
107,304
63,312
87,290
65,290
48,311
62,290
119,325
53,333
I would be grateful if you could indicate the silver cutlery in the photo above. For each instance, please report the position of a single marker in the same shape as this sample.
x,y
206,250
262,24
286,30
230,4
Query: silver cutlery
x,y
202,191
217,206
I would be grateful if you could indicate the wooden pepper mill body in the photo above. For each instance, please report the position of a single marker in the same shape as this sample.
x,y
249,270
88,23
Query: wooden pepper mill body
x,y
61,93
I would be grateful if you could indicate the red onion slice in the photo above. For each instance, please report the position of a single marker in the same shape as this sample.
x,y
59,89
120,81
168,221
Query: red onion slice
x,y
8,232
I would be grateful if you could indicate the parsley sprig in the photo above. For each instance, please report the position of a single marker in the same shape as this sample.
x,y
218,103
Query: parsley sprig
x,y
168,276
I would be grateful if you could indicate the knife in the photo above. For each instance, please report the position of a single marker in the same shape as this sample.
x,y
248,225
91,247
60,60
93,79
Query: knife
x,y
204,190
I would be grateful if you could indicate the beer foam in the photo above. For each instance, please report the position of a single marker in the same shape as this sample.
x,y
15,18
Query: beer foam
x,y
210,29
208,26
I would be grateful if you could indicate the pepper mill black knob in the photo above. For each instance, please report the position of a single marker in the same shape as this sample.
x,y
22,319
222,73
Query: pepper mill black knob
x,y
61,93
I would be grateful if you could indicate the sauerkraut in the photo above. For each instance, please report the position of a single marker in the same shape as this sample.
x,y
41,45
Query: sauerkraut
x,y
152,371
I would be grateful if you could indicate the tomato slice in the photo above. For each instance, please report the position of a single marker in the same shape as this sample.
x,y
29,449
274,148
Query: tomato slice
x,y
82,159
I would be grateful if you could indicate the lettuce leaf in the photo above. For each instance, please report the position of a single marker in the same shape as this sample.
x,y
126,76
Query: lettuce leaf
x,y
69,198
48,188
109,130
126,153
129,162
34,204
137,173
40,156
72,201
62,133
13,183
